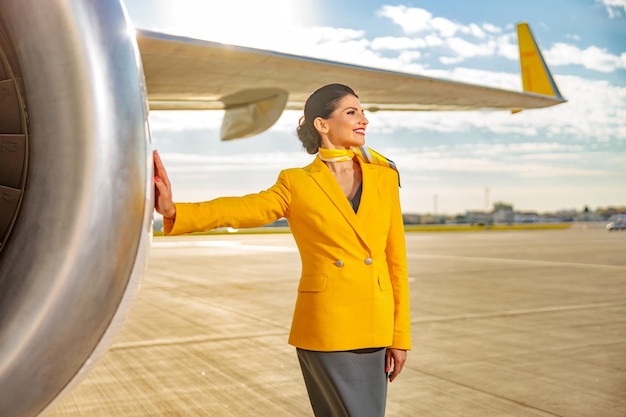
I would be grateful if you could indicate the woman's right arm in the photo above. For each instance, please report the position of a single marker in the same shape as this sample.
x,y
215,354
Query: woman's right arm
x,y
252,210
163,202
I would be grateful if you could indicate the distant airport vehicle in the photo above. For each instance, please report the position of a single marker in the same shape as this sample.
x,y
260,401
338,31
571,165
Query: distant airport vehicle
x,y
616,222
76,190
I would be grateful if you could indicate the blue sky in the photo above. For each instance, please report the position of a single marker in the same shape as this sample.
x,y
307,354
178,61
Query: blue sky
x,y
566,157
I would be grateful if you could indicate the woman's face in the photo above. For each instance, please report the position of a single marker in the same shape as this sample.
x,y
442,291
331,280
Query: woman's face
x,y
346,125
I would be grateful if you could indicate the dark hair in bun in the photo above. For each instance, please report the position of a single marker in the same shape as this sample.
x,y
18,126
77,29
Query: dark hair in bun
x,y
321,103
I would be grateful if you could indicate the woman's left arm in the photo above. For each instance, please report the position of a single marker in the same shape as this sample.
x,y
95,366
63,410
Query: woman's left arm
x,y
396,260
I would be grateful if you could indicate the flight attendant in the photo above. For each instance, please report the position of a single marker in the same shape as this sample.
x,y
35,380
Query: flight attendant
x,y
351,322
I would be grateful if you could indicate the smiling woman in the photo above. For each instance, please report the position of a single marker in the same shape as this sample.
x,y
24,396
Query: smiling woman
x,y
351,320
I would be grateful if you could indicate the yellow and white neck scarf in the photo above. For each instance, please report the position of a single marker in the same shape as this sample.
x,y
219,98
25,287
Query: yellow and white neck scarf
x,y
364,154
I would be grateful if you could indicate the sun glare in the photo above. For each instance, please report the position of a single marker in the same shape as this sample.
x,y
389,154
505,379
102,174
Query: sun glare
x,y
238,22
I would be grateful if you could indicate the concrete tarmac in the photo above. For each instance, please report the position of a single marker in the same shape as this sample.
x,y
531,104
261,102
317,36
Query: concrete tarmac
x,y
505,324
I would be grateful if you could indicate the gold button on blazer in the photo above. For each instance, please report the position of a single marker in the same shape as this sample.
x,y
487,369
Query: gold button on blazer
x,y
353,291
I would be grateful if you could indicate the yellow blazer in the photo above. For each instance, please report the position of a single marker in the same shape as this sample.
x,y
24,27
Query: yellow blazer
x,y
353,291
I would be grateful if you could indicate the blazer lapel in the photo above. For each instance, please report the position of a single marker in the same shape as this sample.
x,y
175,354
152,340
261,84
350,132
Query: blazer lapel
x,y
329,185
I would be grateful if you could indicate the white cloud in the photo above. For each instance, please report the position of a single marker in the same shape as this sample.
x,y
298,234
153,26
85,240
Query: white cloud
x,y
407,57
446,27
411,20
397,43
416,21
464,49
457,42
473,29
329,34
177,121
524,161
613,7
573,37
394,43
488,27
507,46
593,58
596,111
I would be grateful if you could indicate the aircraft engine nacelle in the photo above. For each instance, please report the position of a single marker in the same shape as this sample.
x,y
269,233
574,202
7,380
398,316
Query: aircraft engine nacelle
x,y
75,192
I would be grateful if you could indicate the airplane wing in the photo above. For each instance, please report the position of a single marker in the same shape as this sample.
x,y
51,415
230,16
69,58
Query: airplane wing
x,y
254,86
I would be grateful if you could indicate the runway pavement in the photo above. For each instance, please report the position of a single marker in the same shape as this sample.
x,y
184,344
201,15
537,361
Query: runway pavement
x,y
506,324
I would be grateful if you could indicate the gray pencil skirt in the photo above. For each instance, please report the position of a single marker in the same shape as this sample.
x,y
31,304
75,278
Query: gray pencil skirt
x,y
345,384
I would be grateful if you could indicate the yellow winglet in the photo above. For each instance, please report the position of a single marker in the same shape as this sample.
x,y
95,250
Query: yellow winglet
x,y
536,76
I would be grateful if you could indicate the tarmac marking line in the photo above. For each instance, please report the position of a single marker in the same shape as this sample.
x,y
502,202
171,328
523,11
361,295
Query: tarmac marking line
x,y
187,340
485,392
516,261
521,312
